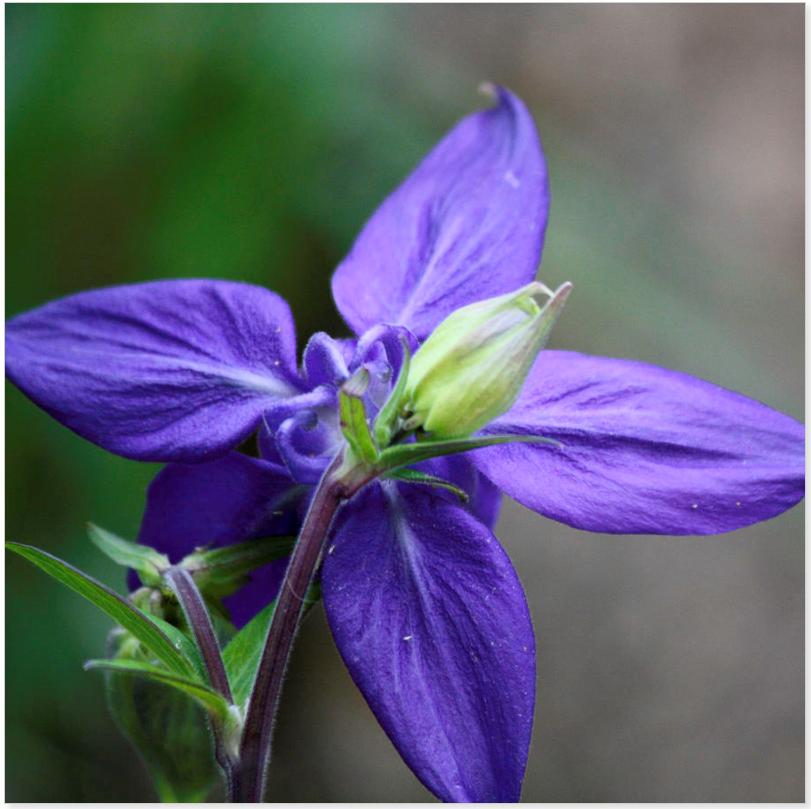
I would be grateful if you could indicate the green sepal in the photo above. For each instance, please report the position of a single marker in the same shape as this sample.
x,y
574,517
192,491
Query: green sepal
x,y
198,691
413,476
242,655
353,416
171,646
387,417
407,454
147,561
220,571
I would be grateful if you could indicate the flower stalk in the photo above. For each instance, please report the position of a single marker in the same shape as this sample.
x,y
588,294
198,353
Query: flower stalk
x,y
339,482
197,616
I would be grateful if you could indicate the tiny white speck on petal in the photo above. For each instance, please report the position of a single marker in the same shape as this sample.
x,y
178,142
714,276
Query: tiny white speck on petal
x,y
695,505
330,549
511,179
408,637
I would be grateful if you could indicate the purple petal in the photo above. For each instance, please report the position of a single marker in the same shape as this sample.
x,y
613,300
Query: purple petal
x,y
280,410
467,224
431,621
169,370
387,340
233,499
254,596
646,450
308,442
302,433
268,449
324,362
381,350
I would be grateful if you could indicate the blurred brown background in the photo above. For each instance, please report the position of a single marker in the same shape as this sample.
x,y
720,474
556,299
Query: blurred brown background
x,y
252,142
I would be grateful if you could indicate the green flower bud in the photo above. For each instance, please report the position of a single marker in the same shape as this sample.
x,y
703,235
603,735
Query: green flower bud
x,y
167,728
473,366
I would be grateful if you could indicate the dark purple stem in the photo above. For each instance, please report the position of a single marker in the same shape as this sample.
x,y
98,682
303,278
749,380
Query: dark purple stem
x,y
197,616
254,753
182,583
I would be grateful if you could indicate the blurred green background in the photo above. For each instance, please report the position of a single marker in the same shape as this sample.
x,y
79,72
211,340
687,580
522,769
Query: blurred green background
x,y
251,142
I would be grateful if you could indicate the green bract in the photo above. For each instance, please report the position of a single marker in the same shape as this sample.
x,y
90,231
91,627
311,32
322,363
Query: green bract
x,y
473,366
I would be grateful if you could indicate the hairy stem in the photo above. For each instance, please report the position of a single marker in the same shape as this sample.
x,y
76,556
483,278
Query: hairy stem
x,y
194,608
254,753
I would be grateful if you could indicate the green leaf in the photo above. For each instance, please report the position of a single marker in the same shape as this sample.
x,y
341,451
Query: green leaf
x,y
147,561
241,656
353,416
209,699
413,476
407,454
180,641
164,641
223,566
387,417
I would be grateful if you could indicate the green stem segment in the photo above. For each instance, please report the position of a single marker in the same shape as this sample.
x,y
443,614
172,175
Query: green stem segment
x,y
340,481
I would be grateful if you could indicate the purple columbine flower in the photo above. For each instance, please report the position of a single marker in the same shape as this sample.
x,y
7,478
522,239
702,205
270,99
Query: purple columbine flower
x,y
424,605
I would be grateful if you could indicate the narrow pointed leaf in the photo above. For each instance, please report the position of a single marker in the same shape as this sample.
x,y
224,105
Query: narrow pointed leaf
x,y
413,476
485,498
202,694
147,561
222,566
182,642
152,632
407,454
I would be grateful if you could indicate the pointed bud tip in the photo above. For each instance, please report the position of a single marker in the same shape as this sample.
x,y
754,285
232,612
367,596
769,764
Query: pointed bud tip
x,y
489,89
541,288
561,293
545,298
